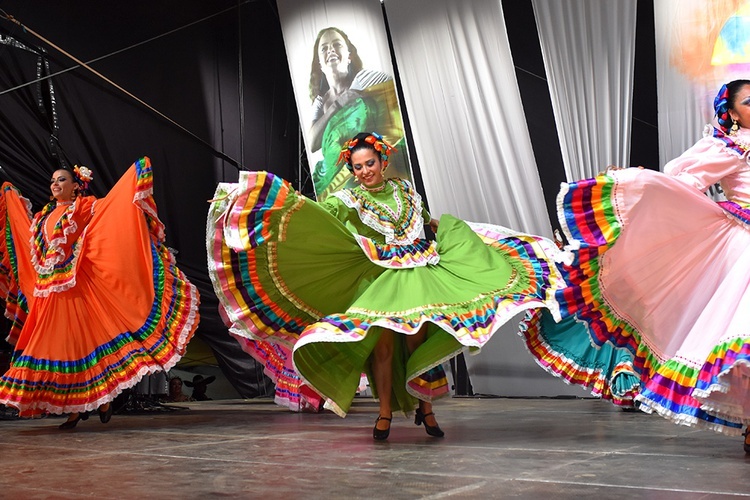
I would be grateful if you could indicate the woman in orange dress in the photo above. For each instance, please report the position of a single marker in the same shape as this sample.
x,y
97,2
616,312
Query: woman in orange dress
x,y
95,297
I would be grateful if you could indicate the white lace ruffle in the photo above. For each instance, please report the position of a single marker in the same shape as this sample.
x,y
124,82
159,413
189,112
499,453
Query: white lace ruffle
x,y
371,220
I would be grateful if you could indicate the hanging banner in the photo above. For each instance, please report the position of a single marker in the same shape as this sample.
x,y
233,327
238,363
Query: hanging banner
x,y
342,76
699,46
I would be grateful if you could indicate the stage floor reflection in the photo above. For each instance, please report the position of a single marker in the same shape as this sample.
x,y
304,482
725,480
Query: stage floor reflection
x,y
494,448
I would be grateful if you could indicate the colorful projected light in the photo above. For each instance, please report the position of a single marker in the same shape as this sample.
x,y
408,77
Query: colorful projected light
x,y
733,44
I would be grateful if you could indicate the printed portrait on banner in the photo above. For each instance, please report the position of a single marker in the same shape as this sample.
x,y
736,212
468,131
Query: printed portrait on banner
x,y
343,78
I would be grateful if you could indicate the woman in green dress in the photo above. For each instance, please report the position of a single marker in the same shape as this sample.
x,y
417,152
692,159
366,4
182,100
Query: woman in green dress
x,y
326,291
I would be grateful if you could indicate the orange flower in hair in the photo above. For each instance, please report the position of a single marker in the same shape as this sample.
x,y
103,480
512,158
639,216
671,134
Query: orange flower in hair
x,y
375,140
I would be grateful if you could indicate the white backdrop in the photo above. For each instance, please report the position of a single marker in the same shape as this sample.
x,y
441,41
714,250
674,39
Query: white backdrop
x,y
688,79
588,48
468,125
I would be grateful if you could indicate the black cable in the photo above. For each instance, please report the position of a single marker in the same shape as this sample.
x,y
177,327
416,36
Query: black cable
x,y
80,63
106,56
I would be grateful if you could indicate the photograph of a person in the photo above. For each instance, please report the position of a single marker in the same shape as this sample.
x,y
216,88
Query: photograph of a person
x,y
346,97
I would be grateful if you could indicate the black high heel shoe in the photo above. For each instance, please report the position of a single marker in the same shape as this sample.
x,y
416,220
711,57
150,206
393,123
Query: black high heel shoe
x,y
70,424
419,419
381,434
746,444
105,416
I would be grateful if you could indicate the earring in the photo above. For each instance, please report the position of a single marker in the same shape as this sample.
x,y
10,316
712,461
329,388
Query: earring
x,y
735,127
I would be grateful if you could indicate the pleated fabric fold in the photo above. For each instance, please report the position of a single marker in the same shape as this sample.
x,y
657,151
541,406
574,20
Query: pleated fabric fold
x,y
660,270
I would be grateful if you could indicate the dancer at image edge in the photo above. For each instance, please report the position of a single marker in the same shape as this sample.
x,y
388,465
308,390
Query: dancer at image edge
x,y
95,296
660,269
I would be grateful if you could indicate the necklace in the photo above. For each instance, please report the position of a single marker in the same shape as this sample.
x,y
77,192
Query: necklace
x,y
374,189
742,145
380,210
63,215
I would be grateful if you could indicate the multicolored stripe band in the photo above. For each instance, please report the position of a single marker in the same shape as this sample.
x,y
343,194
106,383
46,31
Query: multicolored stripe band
x,y
277,365
244,222
16,306
84,384
420,253
739,212
588,213
602,371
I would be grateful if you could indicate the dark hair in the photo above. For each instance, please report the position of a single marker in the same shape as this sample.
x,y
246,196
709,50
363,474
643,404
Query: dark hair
x,y
734,89
69,172
725,101
73,178
361,143
318,83
366,140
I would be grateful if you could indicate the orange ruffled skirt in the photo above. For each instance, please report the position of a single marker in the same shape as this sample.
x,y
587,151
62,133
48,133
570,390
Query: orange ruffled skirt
x,y
130,312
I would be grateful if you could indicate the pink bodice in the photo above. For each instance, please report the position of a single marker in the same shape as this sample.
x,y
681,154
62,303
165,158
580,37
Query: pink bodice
x,y
710,161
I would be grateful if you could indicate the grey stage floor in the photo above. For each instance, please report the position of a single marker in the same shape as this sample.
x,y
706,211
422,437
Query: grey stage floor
x,y
494,448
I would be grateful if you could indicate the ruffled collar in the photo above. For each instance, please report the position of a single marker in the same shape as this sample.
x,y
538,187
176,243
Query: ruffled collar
x,y
400,226
739,143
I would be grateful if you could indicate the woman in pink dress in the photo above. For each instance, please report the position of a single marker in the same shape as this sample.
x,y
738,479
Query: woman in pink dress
x,y
662,270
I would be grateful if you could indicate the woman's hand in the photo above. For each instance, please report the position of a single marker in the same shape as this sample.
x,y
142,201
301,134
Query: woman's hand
x,y
609,169
612,168
434,225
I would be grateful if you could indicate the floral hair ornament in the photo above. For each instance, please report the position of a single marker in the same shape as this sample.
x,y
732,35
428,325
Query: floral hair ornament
x,y
727,125
375,140
83,175
721,106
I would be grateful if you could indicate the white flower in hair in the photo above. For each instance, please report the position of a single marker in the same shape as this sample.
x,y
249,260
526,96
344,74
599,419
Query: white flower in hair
x,y
83,173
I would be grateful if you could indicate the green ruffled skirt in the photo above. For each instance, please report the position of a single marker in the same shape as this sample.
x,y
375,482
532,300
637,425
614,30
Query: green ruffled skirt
x,y
292,278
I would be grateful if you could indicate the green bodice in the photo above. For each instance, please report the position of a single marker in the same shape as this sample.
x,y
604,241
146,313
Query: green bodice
x,y
390,213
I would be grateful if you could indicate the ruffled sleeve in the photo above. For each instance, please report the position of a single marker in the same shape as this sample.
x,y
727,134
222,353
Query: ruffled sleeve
x,y
337,208
349,214
705,164
17,275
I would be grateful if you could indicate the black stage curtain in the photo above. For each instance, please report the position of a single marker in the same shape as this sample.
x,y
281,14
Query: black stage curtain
x,y
191,75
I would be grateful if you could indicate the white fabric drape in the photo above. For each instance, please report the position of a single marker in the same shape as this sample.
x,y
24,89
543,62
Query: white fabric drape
x,y
687,32
588,48
468,125
473,146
